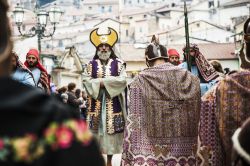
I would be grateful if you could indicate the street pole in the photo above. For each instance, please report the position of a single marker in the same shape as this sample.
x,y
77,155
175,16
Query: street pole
x,y
187,50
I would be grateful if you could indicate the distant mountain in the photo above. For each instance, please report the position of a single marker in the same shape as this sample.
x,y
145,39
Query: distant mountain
x,y
43,2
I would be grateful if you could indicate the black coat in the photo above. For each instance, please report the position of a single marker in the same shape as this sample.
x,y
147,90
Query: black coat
x,y
25,110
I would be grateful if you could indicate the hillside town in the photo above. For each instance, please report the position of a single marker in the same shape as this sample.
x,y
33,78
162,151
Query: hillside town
x,y
212,24
125,82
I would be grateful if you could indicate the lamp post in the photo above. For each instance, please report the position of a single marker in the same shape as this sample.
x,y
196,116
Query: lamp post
x,y
40,28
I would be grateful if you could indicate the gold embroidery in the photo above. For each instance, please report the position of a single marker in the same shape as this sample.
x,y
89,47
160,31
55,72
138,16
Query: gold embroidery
x,y
120,67
108,68
110,115
97,107
89,69
99,69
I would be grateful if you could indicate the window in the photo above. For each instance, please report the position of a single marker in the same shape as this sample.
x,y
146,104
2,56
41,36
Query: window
x,y
130,17
110,9
140,29
103,9
145,16
198,25
126,32
90,7
60,43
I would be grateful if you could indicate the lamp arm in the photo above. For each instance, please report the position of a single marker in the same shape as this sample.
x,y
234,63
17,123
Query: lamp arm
x,y
27,35
50,34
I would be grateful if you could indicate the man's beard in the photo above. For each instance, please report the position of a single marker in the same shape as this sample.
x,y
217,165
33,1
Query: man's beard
x,y
14,67
176,63
104,55
31,65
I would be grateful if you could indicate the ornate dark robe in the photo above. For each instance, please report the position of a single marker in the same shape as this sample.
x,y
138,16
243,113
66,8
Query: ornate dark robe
x,y
162,122
224,109
107,106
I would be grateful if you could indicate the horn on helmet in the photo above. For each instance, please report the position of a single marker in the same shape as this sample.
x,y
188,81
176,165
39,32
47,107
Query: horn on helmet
x,y
110,38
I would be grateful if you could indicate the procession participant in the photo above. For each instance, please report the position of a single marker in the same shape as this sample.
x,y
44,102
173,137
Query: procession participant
x,y
105,82
163,114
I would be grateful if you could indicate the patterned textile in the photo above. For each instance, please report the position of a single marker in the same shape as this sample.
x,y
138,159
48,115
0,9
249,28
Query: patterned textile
x,y
233,107
115,121
205,68
162,123
224,109
209,147
57,136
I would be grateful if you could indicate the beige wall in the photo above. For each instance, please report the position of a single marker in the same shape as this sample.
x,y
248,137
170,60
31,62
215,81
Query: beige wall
x,y
232,64
135,66
64,78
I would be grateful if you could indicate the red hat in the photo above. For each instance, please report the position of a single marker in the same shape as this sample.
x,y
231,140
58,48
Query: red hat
x,y
34,52
172,52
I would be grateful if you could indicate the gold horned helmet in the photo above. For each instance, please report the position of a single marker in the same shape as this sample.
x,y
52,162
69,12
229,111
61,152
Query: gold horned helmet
x,y
110,38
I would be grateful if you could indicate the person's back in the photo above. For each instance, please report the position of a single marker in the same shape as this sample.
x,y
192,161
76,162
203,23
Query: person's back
x,y
39,130
162,123
36,129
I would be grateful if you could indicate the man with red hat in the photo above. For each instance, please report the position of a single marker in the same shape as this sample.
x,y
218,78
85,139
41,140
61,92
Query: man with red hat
x,y
39,72
174,57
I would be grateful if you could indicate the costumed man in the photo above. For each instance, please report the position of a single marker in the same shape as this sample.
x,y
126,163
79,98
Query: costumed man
x,y
40,74
105,83
200,67
35,128
224,108
163,114
20,72
174,57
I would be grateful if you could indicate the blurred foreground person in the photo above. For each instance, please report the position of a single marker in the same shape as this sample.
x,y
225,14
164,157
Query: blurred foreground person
x,y
224,108
20,72
105,82
37,130
163,114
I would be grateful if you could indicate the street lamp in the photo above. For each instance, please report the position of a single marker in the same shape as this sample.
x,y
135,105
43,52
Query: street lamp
x,y
39,29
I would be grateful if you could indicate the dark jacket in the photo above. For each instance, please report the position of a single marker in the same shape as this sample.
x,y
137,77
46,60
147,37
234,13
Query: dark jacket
x,y
73,101
38,130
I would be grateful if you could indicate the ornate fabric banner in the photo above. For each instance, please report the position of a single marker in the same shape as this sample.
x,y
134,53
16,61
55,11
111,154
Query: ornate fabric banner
x,y
162,123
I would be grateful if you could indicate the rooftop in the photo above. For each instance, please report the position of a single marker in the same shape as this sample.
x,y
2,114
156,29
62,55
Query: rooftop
x,y
222,51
